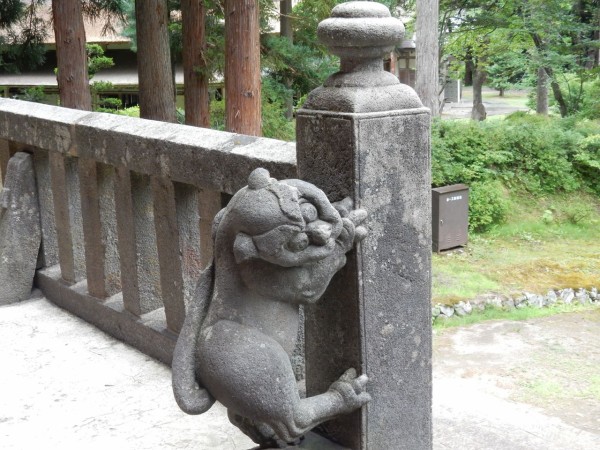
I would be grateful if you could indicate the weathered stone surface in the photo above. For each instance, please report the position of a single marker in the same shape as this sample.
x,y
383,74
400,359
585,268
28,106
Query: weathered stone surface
x,y
534,300
366,136
46,203
463,309
551,297
313,441
361,33
147,146
382,161
493,300
508,303
20,232
277,245
567,296
582,296
447,310
75,216
520,302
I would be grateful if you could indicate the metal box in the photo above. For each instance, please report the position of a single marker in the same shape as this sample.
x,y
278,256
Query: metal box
x,y
450,216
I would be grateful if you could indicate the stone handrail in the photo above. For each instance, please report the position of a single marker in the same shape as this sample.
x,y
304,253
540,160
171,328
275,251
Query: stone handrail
x,y
126,209
209,159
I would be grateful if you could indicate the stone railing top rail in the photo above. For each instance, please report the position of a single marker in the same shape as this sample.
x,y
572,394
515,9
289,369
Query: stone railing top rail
x,y
206,158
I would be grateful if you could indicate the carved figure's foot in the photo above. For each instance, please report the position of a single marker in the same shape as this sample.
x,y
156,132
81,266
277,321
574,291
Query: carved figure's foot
x,y
352,390
261,433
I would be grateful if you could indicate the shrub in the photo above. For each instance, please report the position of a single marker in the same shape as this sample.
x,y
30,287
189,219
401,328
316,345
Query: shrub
x,y
132,111
274,123
586,160
33,94
487,205
578,213
526,152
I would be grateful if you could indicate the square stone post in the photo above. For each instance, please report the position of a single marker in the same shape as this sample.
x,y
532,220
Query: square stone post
x,y
366,136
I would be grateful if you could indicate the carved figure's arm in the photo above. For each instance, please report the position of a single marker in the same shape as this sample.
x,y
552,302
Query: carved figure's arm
x,y
190,397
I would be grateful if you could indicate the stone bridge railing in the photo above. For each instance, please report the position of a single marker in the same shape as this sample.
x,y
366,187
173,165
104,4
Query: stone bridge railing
x,y
126,209
127,205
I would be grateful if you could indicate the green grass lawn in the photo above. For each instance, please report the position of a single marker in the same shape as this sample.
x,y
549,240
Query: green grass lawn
x,y
547,243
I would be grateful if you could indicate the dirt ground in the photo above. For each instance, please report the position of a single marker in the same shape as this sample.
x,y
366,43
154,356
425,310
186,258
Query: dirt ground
x,y
531,384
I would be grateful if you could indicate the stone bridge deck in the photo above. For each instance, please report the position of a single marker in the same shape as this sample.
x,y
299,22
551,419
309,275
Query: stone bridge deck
x,y
64,384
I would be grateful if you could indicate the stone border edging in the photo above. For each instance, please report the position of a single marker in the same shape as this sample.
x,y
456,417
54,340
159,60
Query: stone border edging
x,y
565,296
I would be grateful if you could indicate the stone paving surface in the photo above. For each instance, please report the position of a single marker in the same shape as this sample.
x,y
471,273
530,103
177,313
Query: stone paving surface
x,y
494,105
462,110
64,384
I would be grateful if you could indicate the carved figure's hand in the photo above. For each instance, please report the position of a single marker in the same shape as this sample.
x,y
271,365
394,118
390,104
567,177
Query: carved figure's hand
x,y
353,232
352,390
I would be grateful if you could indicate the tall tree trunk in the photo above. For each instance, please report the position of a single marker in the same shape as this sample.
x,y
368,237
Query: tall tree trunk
x,y
541,106
195,70
154,61
242,67
71,55
558,96
556,91
286,31
469,69
427,54
594,53
478,112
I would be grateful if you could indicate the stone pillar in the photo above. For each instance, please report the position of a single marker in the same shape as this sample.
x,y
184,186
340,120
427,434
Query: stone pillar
x,y
366,136
20,233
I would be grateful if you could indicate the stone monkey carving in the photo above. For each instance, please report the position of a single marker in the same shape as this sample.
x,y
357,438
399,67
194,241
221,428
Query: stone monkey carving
x,y
277,245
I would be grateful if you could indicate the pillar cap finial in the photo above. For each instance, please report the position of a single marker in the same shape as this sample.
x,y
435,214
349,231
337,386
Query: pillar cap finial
x,y
360,30
361,34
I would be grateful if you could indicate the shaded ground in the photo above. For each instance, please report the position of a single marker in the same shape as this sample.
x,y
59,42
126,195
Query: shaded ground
x,y
497,385
527,384
494,104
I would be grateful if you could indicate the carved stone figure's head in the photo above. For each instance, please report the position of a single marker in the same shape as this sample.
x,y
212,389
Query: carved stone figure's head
x,y
282,232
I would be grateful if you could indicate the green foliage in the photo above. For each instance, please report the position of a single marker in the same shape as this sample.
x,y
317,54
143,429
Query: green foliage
x,y
96,59
217,115
133,111
274,123
96,62
586,160
525,152
307,15
581,92
109,104
577,213
22,37
506,71
487,205
33,94
105,11
301,66
10,12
